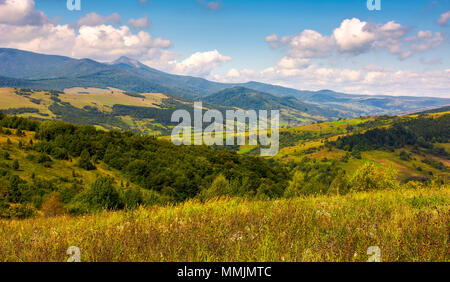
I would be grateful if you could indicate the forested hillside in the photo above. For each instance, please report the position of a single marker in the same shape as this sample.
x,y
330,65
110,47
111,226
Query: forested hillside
x,y
415,147
91,169
418,132
57,167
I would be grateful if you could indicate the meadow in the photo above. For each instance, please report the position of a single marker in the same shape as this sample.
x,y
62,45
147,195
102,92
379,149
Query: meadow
x,y
403,224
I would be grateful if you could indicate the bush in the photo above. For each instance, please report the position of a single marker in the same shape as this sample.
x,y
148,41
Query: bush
x,y
60,153
14,194
370,177
295,185
356,154
413,185
78,208
151,197
66,194
219,187
52,206
405,156
103,194
132,197
20,211
20,133
16,165
269,190
43,158
4,207
85,161
6,156
340,184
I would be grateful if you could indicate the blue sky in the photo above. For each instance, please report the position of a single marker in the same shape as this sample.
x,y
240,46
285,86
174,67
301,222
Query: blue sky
x,y
238,27
228,40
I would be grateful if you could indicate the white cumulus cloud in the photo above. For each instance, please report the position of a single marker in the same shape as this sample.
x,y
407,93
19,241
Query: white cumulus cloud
x,y
426,40
200,63
352,36
443,19
94,19
20,12
139,23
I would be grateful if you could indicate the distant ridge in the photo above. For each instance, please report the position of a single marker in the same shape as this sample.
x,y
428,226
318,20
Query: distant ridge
x,y
24,69
436,110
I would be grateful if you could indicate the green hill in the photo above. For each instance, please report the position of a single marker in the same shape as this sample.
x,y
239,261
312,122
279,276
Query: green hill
x,y
436,110
107,108
418,147
291,109
83,165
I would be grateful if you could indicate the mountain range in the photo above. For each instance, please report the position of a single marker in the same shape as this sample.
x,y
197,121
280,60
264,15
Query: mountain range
x,y
23,69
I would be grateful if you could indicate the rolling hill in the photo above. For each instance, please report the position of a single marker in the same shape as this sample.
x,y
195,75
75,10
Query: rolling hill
x,y
291,109
417,146
145,113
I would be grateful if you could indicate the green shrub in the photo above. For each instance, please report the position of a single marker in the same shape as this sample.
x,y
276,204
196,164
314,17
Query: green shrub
x,y
67,193
295,185
103,194
85,161
340,184
131,197
370,177
20,211
6,155
16,165
151,197
43,158
60,153
405,156
14,194
356,154
4,207
219,187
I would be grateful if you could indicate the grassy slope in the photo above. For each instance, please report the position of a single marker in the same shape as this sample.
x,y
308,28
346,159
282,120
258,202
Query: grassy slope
x,y
99,99
407,225
383,158
102,99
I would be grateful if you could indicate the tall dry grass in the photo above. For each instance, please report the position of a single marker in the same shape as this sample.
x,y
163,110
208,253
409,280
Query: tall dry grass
x,y
406,224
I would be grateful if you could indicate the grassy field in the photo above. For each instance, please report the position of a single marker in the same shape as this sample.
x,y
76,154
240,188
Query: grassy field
x,y
37,105
102,99
105,101
406,225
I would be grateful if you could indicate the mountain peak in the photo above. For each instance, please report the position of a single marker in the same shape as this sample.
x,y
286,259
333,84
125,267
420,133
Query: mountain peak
x,y
127,61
